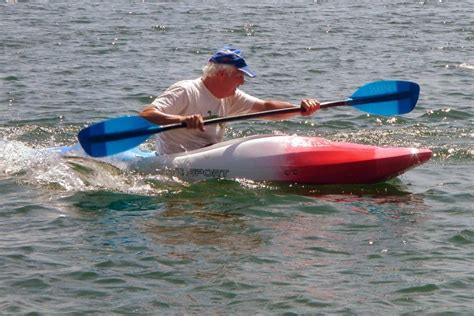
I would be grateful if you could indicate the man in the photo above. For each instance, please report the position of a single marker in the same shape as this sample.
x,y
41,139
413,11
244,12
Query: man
x,y
215,94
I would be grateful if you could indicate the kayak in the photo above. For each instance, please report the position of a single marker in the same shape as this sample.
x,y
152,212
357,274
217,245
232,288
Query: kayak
x,y
289,159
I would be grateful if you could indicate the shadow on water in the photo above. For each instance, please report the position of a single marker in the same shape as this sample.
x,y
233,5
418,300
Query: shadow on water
x,y
392,188
227,198
103,201
178,218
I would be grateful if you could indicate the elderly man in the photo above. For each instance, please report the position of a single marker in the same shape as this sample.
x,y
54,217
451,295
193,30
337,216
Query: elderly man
x,y
215,94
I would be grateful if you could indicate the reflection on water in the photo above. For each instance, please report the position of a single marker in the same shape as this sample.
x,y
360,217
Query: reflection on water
x,y
226,232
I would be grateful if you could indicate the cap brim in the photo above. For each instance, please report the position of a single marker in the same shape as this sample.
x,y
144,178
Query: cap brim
x,y
246,70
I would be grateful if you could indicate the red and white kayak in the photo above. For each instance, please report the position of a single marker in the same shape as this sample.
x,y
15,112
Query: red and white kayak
x,y
309,160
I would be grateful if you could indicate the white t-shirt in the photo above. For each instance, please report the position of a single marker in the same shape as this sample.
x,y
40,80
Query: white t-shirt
x,y
192,97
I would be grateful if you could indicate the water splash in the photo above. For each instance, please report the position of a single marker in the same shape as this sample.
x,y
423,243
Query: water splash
x,y
45,168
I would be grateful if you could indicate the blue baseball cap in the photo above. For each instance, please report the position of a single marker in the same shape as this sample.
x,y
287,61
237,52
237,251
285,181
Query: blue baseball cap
x,y
232,56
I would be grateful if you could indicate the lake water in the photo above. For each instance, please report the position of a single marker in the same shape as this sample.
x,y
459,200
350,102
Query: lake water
x,y
82,237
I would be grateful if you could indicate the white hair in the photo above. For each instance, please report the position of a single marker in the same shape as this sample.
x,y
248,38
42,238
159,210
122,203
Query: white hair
x,y
212,68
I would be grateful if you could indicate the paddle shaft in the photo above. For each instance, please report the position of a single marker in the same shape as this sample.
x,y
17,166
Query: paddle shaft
x,y
163,128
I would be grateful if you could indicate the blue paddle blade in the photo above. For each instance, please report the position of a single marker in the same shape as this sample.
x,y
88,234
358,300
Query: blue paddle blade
x,y
115,135
386,97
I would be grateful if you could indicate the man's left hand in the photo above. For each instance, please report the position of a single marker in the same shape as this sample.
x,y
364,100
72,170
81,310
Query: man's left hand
x,y
309,106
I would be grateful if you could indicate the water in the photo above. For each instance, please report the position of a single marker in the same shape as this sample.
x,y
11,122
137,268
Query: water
x,y
83,237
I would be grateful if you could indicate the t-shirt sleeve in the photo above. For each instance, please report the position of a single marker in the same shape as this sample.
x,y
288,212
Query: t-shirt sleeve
x,y
242,103
173,101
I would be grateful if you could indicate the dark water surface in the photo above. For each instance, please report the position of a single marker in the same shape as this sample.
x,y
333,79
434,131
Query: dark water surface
x,y
83,237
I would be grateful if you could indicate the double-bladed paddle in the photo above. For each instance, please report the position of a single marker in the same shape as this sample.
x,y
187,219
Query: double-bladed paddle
x,y
385,97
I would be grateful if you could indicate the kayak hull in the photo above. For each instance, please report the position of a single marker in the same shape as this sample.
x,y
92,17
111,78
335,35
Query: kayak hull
x,y
291,159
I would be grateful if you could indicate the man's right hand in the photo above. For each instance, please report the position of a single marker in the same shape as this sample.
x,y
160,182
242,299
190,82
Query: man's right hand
x,y
194,121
